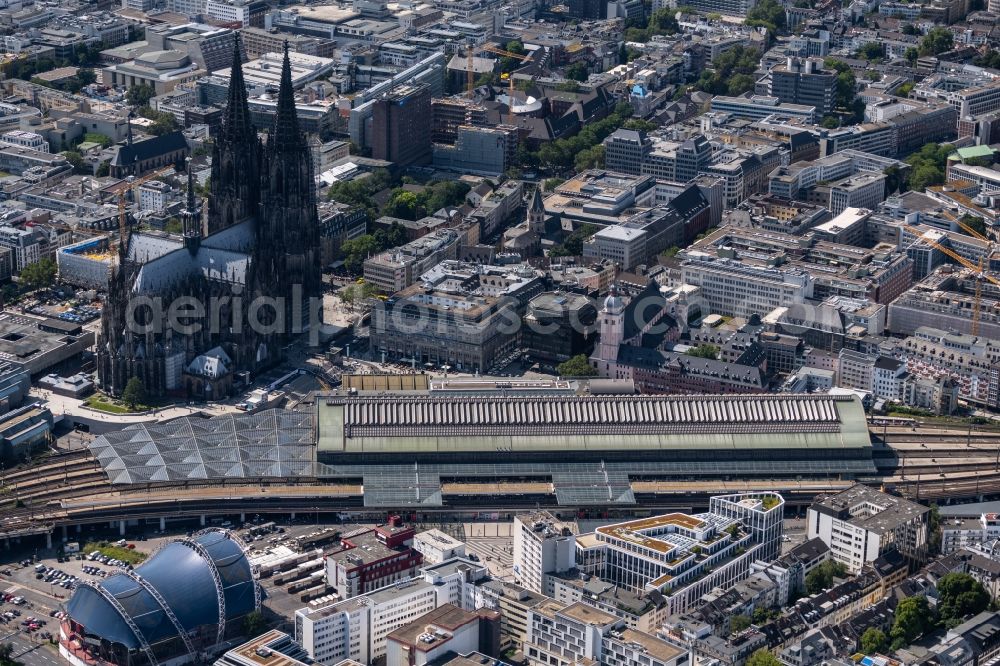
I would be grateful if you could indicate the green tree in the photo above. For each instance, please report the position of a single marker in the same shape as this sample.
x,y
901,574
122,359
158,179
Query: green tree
x,y
664,22
7,655
872,51
86,77
821,577
960,595
938,40
912,620
639,125
394,236
139,95
739,84
403,204
591,158
103,169
349,294
928,165
910,29
768,14
39,274
991,59
573,245
738,623
254,624
578,366
873,641
100,139
895,181
731,72
704,351
163,122
577,72
134,393
763,657
974,222
507,63
444,194
357,250
911,54
76,161
905,89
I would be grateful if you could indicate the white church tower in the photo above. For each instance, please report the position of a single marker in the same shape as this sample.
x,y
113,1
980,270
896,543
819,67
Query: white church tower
x,y
612,318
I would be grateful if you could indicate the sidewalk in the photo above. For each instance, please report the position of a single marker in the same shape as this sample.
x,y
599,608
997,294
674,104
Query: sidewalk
x,y
65,405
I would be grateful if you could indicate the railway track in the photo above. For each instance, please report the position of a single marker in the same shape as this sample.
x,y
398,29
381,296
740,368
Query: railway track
x,y
927,464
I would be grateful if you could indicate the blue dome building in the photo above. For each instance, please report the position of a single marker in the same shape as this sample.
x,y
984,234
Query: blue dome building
x,y
182,601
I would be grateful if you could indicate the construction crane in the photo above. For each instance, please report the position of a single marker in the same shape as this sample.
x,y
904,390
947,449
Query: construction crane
x,y
129,185
969,230
978,269
470,75
510,95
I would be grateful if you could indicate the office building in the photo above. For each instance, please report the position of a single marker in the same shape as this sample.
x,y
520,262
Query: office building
x,y
446,629
457,315
154,195
758,107
487,151
359,628
865,190
372,559
804,82
558,326
725,7
860,524
625,150
946,300
971,362
401,128
542,545
396,269
684,556
275,644
961,533
435,546
564,636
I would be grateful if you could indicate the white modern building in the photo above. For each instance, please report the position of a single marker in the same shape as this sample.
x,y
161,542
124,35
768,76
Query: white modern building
x,y
358,628
154,195
757,107
684,556
624,246
26,140
959,533
731,288
861,523
436,546
542,545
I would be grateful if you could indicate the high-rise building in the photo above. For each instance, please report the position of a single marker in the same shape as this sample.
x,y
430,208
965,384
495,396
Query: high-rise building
x,y
401,126
625,150
861,523
542,545
804,81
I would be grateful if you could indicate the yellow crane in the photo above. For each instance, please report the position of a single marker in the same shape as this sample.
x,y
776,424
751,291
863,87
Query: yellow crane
x,y
470,75
978,269
969,230
129,185
510,94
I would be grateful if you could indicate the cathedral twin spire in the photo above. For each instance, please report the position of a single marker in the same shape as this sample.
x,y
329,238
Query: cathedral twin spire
x,y
285,135
243,172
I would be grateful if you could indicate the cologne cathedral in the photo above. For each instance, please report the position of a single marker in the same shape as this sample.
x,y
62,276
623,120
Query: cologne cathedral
x,y
232,293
